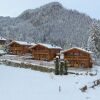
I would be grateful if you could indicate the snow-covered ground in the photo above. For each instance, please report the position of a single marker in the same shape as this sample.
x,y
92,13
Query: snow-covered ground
x,y
26,59
26,84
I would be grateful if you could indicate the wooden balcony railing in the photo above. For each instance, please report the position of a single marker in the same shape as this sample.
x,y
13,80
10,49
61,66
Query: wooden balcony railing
x,y
18,48
76,57
41,51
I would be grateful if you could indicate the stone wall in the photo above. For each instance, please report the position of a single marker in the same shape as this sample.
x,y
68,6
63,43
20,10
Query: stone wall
x,y
27,65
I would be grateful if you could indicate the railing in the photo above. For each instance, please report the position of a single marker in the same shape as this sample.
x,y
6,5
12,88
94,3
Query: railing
x,y
18,48
76,57
41,51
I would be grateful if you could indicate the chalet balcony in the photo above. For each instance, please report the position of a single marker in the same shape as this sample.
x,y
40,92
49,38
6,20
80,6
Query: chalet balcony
x,y
18,48
41,52
76,57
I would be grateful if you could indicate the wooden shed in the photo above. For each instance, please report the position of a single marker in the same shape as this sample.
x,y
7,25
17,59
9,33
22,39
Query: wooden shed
x,y
2,42
78,57
19,47
45,51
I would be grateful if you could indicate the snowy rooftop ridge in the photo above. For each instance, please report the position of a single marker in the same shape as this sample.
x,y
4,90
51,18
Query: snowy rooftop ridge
x,y
49,46
1,38
22,43
78,48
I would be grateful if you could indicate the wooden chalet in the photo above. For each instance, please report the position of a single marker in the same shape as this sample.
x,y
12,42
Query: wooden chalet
x,y
19,47
78,57
45,51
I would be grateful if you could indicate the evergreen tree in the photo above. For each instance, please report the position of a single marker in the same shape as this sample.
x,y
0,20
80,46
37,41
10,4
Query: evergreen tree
x,y
57,66
61,71
65,68
94,39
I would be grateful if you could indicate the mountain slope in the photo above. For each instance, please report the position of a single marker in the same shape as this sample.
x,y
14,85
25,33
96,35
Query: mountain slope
x,y
50,23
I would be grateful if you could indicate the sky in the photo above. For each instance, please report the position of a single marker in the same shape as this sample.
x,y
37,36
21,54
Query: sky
x,y
14,8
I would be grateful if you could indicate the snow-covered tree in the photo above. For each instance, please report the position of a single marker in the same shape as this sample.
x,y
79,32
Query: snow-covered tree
x,y
94,39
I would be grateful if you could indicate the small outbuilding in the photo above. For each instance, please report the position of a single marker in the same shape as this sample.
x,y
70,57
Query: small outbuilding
x,y
78,57
43,51
19,47
2,42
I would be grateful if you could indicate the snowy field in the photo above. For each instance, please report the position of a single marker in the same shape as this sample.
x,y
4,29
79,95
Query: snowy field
x,y
26,84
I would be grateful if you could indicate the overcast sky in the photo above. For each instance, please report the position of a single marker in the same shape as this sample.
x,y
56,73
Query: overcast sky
x,y
15,7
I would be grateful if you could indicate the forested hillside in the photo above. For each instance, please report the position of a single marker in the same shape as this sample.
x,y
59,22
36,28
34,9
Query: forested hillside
x,y
51,23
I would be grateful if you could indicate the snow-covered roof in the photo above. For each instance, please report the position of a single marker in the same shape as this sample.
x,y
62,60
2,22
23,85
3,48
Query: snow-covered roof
x,y
1,38
32,44
49,46
81,49
22,43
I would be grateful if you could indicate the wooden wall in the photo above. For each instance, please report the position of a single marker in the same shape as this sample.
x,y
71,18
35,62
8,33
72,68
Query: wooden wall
x,y
18,49
77,58
42,53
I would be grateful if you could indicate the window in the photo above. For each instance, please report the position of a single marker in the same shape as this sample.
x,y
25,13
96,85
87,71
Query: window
x,y
69,54
76,54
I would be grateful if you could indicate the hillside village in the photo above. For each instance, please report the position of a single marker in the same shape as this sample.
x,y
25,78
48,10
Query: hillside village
x,y
76,57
